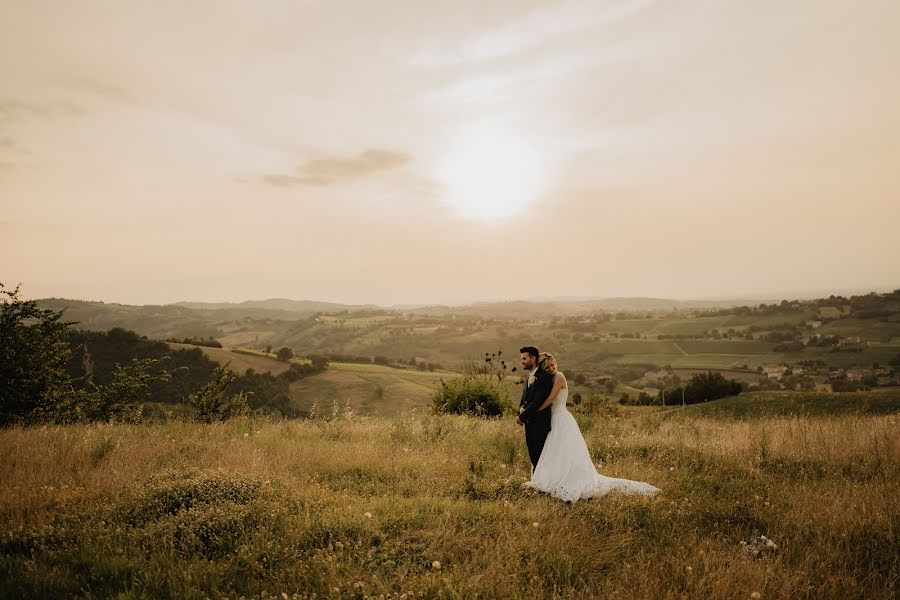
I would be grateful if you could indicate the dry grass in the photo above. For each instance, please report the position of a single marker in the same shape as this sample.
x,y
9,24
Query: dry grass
x,y
363,506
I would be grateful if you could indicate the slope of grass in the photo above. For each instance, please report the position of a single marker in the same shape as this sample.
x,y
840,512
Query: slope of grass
x,y
360,507
240,361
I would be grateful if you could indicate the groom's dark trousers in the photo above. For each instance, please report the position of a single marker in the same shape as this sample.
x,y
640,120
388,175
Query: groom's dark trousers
x,y
537,423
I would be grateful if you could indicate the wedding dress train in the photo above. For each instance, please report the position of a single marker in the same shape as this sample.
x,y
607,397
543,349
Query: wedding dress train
x,y
565,469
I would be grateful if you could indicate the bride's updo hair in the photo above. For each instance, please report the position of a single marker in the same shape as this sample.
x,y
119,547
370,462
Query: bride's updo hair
x,y
544,359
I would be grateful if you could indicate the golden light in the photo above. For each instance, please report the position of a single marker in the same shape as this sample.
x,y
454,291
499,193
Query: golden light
x,y
490,173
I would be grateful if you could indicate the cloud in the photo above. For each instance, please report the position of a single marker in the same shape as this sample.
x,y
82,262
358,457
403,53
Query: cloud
x,y
18,110
321,172
97,87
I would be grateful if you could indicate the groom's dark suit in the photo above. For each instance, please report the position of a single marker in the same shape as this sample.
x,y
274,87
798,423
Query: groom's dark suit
x,y
537,423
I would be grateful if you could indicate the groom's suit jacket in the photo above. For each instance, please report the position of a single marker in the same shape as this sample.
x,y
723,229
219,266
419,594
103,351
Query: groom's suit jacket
x,y
535,395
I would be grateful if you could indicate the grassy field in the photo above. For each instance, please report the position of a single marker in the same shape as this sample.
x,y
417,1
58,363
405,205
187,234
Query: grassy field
x,y
428,506
239,361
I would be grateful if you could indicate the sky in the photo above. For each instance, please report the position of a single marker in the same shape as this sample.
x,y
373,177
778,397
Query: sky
x,y
401,152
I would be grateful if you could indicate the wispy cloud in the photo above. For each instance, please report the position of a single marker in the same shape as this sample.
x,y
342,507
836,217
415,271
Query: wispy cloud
x,y
13,110
336,169
104,89
529,31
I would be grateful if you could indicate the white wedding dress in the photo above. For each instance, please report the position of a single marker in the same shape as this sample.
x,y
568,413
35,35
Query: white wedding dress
x,y
565,469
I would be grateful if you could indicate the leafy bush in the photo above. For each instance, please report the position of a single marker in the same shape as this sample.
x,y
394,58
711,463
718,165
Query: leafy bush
x,y
214,403
468,395
119,400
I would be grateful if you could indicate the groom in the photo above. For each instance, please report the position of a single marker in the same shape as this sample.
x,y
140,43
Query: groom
x,y
537,390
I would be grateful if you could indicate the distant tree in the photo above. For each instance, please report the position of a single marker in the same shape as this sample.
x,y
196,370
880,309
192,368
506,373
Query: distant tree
x,y
284,354
269,349
34,351
580,379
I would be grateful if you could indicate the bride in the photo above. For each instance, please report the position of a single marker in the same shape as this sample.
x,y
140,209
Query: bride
x,y
565,469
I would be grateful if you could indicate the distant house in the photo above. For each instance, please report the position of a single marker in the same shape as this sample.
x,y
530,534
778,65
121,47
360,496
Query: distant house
x,y
830,312
850,340
814,324
656,375
858,374
845,309
887,380
600,379
824,387
774,371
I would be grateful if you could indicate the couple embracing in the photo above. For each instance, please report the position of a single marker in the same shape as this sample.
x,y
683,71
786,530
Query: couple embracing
x,y
560,462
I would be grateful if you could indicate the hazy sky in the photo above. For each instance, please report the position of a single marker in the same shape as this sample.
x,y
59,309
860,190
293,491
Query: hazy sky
x,y
405,152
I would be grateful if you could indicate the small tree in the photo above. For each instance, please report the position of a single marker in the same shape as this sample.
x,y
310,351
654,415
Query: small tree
x,y
285,354
213,403
34,350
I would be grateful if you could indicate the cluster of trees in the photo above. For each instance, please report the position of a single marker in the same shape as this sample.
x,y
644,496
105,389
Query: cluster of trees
x,y
209,342
701,387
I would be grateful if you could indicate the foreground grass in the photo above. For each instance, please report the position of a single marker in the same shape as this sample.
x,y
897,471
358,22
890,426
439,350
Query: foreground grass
x,y
362,507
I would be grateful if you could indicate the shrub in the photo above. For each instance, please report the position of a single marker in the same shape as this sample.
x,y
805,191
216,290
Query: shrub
x,y
213,403
470,395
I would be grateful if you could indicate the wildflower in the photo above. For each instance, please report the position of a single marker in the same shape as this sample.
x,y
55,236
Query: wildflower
x,y
284,595
756,595
339,545
671,468
246,435
436,565
690,570
367,515
535,525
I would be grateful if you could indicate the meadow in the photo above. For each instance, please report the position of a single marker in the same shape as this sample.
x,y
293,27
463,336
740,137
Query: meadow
x,y
423,505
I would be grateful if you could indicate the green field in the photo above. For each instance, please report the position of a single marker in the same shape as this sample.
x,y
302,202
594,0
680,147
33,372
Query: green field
x,y
367,389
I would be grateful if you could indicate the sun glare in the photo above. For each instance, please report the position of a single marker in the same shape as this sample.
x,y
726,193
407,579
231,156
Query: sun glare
x,y
490,174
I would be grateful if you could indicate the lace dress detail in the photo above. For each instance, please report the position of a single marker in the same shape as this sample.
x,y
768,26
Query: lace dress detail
x,y
565,469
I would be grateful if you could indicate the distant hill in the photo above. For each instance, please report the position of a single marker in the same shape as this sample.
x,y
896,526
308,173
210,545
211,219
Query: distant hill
x,y
278,304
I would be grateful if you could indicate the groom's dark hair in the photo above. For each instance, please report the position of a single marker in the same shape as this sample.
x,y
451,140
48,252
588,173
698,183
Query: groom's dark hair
x,y
530,350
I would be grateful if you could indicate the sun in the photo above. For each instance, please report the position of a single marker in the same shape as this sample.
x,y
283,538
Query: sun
x,y
490,174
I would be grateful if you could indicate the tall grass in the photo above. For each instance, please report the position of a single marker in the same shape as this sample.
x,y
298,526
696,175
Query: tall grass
x,y
431,506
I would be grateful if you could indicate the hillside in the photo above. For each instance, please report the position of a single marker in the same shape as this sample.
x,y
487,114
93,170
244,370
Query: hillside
x,y
366,388
594,338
